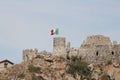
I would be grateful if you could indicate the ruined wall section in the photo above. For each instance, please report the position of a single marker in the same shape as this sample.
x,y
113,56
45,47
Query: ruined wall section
x,y
29,54
115,52
97,49
96,40
72,52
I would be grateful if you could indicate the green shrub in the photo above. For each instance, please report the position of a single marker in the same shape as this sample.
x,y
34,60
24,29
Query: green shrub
x,y
22,75
78,67
32,68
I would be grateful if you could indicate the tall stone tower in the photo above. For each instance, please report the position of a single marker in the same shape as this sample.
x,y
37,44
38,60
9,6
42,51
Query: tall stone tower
x,y
59,46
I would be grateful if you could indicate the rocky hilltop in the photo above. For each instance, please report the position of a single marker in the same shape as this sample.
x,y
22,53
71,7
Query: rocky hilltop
x,y
97,59
49,67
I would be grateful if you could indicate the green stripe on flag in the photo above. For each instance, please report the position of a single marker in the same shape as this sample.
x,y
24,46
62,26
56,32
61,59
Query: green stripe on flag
x,y
56,31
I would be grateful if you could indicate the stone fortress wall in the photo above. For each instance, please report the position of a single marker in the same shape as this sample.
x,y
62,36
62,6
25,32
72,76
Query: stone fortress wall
x,y
95,48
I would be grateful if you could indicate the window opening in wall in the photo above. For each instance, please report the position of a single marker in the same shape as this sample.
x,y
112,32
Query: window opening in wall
x,y
112,53
27,57
97,53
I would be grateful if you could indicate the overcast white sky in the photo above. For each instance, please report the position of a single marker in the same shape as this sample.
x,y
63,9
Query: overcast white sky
x,y
27,23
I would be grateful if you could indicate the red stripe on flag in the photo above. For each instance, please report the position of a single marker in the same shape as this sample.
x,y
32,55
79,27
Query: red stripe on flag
x,y
52,32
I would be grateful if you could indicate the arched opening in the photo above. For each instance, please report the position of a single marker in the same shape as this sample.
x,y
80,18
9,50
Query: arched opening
x,y
112,53
96,53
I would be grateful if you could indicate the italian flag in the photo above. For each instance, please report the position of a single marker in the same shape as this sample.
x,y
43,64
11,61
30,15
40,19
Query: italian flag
x,y
54,31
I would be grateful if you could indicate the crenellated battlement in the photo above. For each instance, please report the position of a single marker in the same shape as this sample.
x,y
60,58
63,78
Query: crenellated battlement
x,y
28,54
30,50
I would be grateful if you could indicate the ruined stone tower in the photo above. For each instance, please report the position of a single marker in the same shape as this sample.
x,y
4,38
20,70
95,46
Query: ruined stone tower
x,y
99,49
59,46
